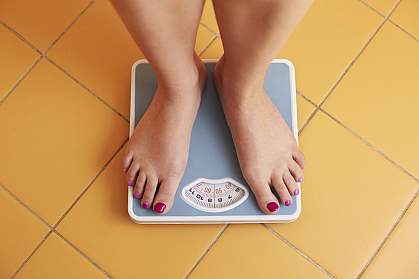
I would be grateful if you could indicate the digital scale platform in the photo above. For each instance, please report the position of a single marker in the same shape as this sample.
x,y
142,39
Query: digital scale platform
x,y
213,189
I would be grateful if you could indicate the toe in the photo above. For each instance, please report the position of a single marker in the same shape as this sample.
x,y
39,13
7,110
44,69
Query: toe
x,y
132,173
296,171
139,185
266,200
126,161
291,184
298,157
281,189
149,191
164,198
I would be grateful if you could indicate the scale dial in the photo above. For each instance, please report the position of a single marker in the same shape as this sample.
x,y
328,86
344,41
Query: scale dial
x,y
214,195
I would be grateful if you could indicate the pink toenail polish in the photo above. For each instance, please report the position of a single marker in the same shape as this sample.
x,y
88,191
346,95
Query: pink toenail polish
x,y
296,192
159,207
130,183
136,195
300,179
272,206
287,203
145,205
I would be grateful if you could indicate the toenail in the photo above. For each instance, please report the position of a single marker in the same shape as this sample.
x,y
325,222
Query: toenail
x,y
145,205
272,206
300,179
287,202
296,192
137,195
130,183
159,207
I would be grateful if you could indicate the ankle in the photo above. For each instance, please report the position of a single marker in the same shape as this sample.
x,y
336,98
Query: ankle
x,y
182,78
235,89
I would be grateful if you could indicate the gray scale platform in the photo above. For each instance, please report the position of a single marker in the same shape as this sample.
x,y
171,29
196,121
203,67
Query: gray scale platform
x,y
212,156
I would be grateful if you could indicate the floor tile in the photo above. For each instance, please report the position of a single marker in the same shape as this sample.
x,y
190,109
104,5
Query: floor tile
x,y
40,22
326,42
351,199
100,58
99,225
383,6
55,138
208,16
56,259
251,251
407,16
16,58
20,232
368,99
399,257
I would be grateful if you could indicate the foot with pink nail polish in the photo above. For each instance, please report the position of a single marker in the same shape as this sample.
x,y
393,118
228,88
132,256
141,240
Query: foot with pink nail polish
x,y
268,154
157,151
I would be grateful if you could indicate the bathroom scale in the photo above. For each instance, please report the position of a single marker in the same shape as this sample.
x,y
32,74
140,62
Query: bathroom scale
x,y
213,189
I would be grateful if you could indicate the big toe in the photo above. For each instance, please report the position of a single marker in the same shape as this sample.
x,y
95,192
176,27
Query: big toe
x,y
266,200
165,195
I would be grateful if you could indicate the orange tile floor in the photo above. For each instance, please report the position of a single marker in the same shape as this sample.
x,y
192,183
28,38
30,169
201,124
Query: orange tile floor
x,y
64,105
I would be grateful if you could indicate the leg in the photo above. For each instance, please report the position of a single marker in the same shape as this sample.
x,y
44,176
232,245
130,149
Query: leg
x,y
157,152
252,32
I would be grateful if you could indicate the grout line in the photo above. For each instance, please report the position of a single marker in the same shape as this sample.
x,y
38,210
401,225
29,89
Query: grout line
x,y
21,37
206,251
19,81
372,8
68,27
90,184
403,30
25,206
295,248
371,146
208,46
307,98
213,38
384,241
83,254
86,88
311,115
31,254
209,28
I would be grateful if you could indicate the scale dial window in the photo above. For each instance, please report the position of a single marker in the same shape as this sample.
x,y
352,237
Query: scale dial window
x,y
214,195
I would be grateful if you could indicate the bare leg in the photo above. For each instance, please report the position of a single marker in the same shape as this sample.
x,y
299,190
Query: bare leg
x,y
157,152
252,32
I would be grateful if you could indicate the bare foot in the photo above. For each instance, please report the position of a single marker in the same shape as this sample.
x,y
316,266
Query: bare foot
x,y
266,149
157,152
